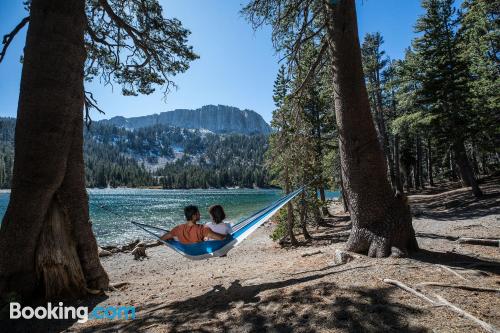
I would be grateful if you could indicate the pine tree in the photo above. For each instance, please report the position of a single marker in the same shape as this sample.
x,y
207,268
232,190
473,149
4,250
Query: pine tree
x,y
444,90
480,47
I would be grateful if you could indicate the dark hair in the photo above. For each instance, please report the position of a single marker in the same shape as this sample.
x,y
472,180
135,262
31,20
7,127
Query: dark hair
x,y
190,211
217,213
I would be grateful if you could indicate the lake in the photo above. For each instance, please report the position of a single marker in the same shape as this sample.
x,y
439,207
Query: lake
x,y
162,208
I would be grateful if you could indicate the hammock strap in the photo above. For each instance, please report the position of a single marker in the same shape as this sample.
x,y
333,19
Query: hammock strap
x,y
264,211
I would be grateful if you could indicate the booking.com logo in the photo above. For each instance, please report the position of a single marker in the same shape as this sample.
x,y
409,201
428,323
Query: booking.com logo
x,y
81,313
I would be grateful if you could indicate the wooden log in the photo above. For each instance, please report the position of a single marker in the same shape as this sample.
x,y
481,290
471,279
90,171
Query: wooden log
x,y
479,241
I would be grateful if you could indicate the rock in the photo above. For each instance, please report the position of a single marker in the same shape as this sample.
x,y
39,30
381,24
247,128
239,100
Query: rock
x,y
215,118
104,253
139,251
342,257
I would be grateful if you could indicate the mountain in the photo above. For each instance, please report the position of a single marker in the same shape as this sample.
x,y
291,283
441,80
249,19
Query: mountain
x,y
215,118
171,157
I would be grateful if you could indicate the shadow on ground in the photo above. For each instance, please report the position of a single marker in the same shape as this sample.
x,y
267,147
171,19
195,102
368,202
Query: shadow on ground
x,y
271,307
457,260
460,205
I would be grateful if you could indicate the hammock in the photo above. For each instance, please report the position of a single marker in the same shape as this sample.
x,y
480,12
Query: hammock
x,y
217,248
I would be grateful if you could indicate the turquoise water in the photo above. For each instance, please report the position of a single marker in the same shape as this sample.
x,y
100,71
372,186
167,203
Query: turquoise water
x,y
162,208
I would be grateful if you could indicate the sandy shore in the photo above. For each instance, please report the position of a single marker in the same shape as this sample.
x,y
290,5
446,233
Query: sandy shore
x,y
262,287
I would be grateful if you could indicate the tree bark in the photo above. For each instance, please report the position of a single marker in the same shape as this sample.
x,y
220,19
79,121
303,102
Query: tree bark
x,y
429,162
47,247
345,200
466,172
303,215
397,171
475,163
384,137
419,183
453,173
289,208
381,222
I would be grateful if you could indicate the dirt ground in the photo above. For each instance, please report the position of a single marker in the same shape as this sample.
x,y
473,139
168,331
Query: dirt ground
x,y
261,287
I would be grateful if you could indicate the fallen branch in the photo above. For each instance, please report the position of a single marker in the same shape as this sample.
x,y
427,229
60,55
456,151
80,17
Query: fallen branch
x,y
410,290
452,272
308,254
479,241
487,327
458,286
443,302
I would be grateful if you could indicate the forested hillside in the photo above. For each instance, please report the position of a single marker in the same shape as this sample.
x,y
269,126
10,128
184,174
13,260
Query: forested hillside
x,y
159,155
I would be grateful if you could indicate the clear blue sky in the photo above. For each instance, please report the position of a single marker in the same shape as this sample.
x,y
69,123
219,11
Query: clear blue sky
x,y
237,66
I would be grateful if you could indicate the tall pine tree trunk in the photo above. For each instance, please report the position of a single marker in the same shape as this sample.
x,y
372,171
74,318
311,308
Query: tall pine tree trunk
x,y
419,183
466,172
429,162
47,247
384,137
381,222
453,173
397,170
289,209
303,216
345,200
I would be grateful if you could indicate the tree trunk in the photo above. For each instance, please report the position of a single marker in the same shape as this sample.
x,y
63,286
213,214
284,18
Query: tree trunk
x,y
289,209
384,137
475,163
47,247
429,162
303,213
381,222
466,172
419,183
453,173
345,200
397,171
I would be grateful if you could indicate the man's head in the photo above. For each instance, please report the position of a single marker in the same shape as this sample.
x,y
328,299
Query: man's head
x,y
192,213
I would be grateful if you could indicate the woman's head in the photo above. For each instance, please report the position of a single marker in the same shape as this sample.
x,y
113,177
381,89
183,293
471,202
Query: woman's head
x,y
217,213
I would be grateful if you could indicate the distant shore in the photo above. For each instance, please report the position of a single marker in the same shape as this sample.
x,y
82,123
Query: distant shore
x,y
7,190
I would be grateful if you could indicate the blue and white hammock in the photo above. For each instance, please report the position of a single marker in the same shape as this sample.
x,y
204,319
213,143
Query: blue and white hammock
x,y
217,248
